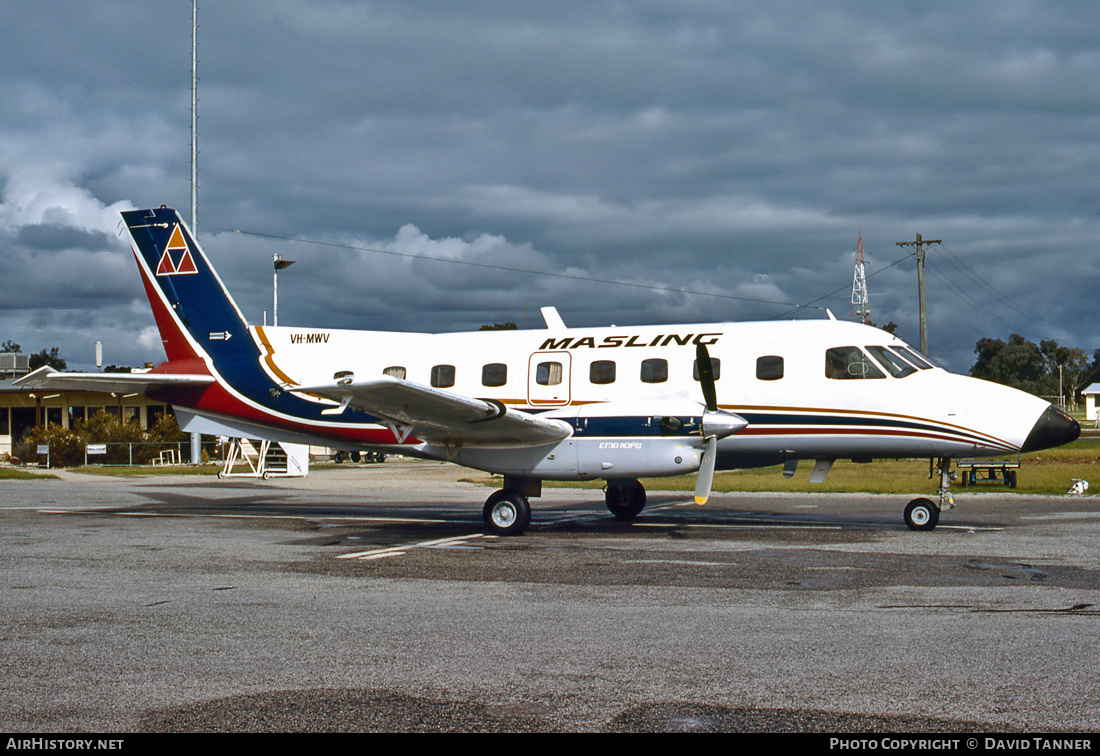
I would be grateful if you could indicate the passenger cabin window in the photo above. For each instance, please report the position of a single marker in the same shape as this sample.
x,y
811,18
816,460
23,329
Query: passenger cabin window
x,y
895,365
494,374
443,376
769,368
715,367
396,371
548,373
602,371
654,371
843,363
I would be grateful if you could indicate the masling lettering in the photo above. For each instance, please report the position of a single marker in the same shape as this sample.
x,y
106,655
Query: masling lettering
x,y
626,341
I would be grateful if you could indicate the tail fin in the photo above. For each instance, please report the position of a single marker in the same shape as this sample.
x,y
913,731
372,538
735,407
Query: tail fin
x,y
195,314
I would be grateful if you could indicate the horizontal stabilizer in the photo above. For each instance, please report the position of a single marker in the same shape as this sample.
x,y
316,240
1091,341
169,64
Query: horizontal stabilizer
x,y
50,379
442,417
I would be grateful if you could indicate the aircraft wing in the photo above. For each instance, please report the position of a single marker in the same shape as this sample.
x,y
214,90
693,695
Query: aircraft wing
x,y
442,417
49,379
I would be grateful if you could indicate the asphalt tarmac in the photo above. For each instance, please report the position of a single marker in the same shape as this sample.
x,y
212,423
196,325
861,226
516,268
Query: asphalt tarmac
x,y
369,599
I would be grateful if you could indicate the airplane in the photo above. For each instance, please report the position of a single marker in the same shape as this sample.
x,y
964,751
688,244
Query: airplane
x,y
617,404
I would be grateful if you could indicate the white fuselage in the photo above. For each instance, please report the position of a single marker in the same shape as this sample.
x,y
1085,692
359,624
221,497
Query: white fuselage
x,y
800,400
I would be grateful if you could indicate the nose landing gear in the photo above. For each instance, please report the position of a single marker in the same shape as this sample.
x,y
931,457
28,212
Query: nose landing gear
x,y
924,514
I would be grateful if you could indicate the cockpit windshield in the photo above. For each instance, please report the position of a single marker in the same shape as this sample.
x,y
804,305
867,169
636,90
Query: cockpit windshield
x,y
844,363
894,364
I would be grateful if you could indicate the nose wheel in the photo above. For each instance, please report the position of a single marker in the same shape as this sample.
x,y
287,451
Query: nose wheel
x,y
922,514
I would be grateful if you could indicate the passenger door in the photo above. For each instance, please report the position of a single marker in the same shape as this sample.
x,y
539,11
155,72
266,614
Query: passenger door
x,y
548,379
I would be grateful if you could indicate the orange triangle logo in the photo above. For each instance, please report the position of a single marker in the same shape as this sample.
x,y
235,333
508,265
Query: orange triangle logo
x,y
176,243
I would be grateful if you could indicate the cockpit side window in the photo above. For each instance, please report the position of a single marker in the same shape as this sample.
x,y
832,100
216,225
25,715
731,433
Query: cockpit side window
x,y
913,357
896,366
844,363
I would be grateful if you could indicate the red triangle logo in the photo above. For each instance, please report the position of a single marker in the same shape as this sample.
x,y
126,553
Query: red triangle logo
x,y
187,265
165,267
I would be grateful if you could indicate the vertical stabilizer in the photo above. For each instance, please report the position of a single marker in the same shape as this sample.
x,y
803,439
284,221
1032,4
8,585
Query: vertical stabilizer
x,y
195,314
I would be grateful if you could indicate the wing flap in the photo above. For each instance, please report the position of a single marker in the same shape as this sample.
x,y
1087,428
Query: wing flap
x,y
442,417
50,379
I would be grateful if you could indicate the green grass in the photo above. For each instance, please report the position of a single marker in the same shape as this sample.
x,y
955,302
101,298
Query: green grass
x,y
12,473
141,470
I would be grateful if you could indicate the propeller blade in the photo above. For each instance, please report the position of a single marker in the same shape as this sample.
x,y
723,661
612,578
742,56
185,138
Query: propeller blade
x,y
706,471
706,377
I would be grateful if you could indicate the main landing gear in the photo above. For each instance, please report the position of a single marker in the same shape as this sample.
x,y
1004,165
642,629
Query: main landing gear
x,y
507,513
624,498
924,514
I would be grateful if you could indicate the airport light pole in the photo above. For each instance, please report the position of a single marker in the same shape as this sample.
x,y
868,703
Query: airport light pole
x,y
280,263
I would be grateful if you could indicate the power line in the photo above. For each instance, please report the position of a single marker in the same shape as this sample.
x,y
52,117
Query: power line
x,y
960,265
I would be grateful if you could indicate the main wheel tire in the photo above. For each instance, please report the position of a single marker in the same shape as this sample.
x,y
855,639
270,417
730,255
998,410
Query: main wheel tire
x,y
507,513
922,514
625,498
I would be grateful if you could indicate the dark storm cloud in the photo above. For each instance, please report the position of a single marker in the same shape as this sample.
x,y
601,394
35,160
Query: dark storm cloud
x,y
734,150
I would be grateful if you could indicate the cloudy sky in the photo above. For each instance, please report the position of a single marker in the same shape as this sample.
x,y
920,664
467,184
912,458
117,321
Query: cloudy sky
x,y
719,157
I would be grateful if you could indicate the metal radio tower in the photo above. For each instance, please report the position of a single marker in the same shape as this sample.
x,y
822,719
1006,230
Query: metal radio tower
x,y
861,303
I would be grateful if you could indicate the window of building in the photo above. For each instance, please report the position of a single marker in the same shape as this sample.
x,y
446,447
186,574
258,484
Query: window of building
x,y
769,368
602,371
395,371
494,374
5,425
715,367
843,363
443,376
548,373
654,371
153,413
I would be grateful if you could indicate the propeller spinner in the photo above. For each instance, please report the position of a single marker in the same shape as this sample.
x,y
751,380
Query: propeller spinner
x,y
716,424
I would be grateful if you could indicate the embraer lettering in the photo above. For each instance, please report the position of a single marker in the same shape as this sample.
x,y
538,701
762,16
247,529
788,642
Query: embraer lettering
x,y
661,340
309,338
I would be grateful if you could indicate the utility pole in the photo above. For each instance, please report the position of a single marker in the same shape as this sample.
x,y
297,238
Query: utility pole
x,y
919,244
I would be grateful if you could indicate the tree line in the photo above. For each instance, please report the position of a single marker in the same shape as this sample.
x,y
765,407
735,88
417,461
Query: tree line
x,y
1045,369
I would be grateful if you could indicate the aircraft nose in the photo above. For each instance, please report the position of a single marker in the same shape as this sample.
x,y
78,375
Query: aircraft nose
x,y
1053,428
